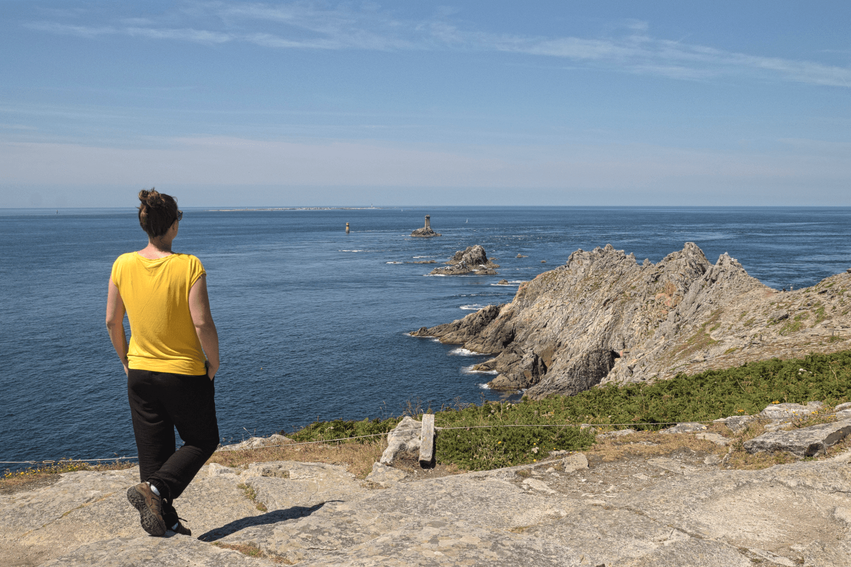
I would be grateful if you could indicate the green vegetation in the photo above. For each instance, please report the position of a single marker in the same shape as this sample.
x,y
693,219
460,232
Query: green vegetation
x,y
476,437
486,436
479,439
340,429
251,494
792,326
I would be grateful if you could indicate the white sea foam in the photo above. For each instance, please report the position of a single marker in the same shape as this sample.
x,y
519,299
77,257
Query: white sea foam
x,y
470,370
461,351
472,307
418,257
351,250
395,262
484,387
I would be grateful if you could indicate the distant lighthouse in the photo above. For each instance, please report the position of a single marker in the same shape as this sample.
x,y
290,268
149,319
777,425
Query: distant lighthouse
x,y
426,231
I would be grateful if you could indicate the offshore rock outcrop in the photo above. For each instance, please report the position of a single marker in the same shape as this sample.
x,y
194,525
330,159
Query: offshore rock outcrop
x,y
426,231
472,260
603,317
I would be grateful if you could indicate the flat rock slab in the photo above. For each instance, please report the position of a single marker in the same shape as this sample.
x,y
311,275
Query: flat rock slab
x,y
804,442
639,512
790,411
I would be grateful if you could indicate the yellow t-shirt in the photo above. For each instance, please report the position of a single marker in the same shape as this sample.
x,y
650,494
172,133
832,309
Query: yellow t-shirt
x,y
156,296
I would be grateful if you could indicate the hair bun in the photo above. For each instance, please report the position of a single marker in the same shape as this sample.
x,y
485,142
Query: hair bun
x,y
151,198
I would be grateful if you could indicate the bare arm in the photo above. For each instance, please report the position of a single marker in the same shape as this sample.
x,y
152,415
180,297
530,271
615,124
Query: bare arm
x,y
115,323
199,308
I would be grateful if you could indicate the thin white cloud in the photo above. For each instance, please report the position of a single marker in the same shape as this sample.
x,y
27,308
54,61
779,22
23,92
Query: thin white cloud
x,y
307,25
225,160
185,34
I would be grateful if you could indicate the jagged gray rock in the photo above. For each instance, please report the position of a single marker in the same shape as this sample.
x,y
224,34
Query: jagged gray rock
x,y
781,415
657,511
788,412
737,423
604,318
574,462
472,260
803,442
406,437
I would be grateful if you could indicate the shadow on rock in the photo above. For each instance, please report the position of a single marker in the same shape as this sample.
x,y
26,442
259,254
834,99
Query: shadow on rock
x,y
268,518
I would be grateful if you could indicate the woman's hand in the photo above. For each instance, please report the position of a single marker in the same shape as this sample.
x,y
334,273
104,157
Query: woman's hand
x,y
212,369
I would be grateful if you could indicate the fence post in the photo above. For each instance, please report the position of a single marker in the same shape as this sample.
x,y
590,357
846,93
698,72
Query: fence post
x,y
427,445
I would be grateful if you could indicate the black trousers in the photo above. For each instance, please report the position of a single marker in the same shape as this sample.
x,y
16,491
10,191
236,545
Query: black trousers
x,y
159,402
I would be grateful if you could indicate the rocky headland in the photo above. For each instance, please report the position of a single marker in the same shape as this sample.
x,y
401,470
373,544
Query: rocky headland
x,y
605,318
472,260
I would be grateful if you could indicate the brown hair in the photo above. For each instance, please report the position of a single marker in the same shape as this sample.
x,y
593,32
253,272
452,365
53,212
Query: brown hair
x,y
157,212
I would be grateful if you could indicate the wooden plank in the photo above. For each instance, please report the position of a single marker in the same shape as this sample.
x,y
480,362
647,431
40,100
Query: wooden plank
x,y
427,445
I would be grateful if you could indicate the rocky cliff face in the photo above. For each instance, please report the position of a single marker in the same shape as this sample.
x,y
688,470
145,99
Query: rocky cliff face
x,y
603,317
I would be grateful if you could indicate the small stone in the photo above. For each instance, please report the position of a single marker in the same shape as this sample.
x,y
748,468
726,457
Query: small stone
x,y
738,423
715,438
539,485
688,427
575,462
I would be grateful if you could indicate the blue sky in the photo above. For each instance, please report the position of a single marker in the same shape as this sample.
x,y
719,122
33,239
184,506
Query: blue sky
x,y
230,103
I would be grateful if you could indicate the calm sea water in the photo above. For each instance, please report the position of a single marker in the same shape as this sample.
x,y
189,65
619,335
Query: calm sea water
x,y
313,321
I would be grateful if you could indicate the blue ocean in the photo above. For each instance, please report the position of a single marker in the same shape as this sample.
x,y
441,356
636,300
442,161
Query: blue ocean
x,y
313,321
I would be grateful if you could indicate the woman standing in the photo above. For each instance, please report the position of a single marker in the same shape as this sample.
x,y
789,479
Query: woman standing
x,y
169,378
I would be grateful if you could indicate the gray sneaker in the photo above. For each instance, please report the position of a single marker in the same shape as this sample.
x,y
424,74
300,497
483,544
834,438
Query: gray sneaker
x,y
150,508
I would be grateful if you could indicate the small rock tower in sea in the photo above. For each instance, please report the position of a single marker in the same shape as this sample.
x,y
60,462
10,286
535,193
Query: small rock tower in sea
x,y
426,231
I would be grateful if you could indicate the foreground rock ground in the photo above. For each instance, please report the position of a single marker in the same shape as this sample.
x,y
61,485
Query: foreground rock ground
x,y
673,510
